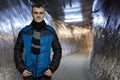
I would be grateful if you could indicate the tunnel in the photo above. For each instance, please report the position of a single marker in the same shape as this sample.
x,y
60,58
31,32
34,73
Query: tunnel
x,y
88,30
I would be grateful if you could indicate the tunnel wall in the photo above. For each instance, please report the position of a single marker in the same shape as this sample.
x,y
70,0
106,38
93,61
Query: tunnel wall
x,y
105,56
13,18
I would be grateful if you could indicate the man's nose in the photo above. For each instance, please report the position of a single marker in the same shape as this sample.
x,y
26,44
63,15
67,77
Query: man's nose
x,y
38,16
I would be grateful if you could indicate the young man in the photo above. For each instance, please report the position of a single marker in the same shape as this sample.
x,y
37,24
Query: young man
x,y
37,39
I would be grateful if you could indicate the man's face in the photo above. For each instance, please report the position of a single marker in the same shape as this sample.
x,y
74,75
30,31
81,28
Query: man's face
x,y
38,14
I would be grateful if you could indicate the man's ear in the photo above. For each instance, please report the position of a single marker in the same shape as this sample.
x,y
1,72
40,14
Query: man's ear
x,y
45,13
31,14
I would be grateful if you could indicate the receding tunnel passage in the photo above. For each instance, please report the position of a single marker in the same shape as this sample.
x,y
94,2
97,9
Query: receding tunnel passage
x,y
88,30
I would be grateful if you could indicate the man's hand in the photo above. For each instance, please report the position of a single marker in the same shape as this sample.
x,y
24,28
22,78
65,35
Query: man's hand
x,y
48,73
26,73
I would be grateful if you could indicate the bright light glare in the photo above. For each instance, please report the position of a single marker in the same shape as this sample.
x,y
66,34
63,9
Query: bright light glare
x,y
99,20
79,32
64,32
75,32
71,9
73,13
72,16
94,5
74,20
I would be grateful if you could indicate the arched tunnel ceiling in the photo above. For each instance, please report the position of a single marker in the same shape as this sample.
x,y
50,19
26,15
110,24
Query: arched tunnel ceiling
x,y
69,11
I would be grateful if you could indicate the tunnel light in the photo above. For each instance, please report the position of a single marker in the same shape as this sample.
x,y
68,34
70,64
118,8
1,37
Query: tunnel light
x,y
73,13
74,20
71,10
73,17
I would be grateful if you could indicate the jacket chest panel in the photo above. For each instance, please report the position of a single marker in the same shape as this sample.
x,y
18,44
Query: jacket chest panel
x,y
45,42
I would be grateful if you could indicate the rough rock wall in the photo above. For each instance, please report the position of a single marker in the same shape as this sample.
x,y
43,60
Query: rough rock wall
x,y
12,19
105,56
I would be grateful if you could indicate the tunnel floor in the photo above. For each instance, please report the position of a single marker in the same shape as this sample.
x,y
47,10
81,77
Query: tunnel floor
x,y
73,67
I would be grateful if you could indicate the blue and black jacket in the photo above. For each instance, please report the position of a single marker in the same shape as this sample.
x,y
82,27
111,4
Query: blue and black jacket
x,y
37,63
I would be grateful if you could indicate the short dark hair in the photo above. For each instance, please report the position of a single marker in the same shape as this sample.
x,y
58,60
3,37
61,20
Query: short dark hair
x,y
38,5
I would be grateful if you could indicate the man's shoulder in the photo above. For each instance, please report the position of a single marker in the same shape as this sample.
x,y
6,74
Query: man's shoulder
x,y
50,28
27,28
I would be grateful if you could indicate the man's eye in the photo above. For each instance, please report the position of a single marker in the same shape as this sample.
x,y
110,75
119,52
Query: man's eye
x,y
41,13
35,12
38,12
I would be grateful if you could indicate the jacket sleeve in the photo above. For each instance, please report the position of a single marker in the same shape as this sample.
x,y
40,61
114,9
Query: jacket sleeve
x,y
57,50
18,51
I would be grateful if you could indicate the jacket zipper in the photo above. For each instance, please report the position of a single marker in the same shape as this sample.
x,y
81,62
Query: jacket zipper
x,y
36,66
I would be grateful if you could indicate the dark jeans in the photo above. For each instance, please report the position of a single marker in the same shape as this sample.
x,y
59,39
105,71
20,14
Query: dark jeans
x,y
40,78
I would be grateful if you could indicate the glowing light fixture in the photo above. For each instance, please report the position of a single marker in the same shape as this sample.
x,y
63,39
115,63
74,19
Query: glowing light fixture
x,y
73,13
